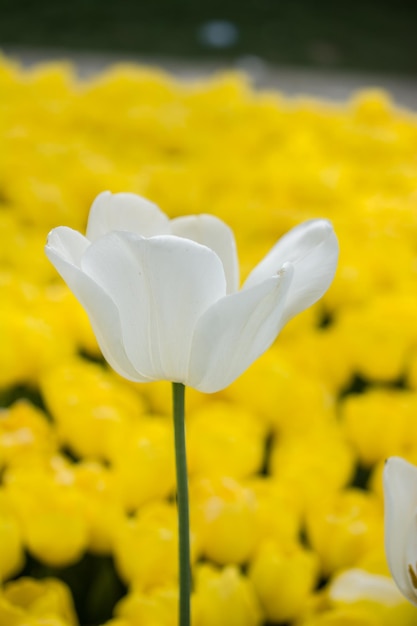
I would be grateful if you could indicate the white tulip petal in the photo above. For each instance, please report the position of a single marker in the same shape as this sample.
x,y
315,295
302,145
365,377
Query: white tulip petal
x,y
212,232
64,249
356,585
313,249
161,286
125,212
237,330
67,244
400,491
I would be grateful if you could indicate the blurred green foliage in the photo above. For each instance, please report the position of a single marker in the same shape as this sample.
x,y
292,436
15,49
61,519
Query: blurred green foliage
x,y
369,35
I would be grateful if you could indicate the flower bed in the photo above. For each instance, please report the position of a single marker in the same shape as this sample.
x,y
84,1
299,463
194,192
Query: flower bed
x,y
285,465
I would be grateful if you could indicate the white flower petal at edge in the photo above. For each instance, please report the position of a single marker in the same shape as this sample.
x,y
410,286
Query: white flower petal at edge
x,y
162,295
355,585
313,250
64,250
400,493
125,211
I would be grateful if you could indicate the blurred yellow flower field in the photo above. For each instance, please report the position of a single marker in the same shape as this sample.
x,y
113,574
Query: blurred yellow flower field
x,y
285,464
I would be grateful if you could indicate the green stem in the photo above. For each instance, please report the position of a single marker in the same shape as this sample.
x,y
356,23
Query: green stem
x,y
178,393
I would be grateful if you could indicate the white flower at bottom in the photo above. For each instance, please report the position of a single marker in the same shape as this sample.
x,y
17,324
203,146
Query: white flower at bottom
x,y
400,491
162,295
356,585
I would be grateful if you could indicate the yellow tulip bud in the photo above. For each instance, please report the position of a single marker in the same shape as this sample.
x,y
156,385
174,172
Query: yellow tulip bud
x,y
51,515
91,406
158,607
373,106
146,547
278,510
315,465
102,507
43,599
362,417
143,461
224,440
25,332
26,436
280,403
224,598
284,579
226,514
343,528
384,326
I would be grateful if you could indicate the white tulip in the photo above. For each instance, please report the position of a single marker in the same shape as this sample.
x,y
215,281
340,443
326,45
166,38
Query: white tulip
x,y
400,490
162,295
357,585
